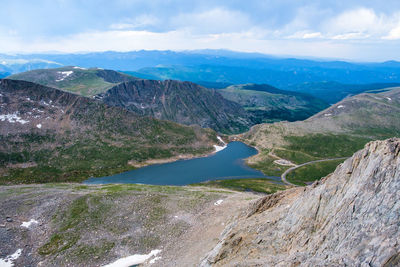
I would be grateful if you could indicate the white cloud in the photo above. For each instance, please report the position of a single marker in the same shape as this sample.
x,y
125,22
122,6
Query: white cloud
x,y
394,34
357,20
362,23
351,35
136,23
312,35
217,20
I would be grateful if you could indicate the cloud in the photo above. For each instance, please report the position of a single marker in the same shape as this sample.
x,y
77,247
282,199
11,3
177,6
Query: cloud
x,y
394,34
139,22
306,35
351,36
357,20
217,20
294,27
361,23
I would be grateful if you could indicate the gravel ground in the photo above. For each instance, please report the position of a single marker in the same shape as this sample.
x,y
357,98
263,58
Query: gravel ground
x,y
81,225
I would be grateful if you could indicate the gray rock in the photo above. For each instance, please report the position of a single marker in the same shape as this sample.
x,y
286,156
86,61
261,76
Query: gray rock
x,y
350,218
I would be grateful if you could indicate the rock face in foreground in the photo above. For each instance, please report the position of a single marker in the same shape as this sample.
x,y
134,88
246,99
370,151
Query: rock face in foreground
x,y
350,218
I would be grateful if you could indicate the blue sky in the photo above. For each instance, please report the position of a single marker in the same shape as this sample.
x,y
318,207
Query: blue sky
x,y
357,30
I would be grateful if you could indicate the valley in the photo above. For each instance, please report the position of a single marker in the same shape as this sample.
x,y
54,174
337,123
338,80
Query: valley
x,y
199,133
48,135
99,167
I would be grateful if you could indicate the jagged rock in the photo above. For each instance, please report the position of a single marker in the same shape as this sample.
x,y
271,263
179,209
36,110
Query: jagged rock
x,y
351,218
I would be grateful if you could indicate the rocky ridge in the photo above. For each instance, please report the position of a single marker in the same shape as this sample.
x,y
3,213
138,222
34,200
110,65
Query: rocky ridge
x,y
349,218
182,102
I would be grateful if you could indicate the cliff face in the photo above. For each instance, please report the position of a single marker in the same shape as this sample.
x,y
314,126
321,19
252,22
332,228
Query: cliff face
x,y
350,218
182,102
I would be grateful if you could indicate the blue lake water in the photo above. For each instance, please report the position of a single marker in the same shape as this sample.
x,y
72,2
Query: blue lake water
x,y
225,164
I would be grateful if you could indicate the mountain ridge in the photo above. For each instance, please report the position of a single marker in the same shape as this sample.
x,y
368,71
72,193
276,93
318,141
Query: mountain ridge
x,y
182,102
347,218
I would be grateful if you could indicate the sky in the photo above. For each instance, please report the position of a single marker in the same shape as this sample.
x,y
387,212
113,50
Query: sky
x,y
366,30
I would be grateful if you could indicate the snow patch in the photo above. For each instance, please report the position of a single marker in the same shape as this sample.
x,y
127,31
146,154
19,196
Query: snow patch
x,y
28,224
388,98
340,106
134,259
38,110
219,148
327,114
218,202
39,126
12,118
154,260
9,260
64,74
79,68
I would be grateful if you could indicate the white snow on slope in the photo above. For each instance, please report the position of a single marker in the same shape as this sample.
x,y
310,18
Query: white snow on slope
x,y
340,106
218,202
134,259
219,148
64,74
154,260
39,125
28,224
12,118
79,68
9,260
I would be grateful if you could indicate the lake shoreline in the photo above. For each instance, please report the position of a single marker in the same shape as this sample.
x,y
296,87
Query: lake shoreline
x,y
149,162
187,169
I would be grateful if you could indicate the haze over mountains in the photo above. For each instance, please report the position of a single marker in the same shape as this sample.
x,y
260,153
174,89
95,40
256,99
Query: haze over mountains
x,y
220,68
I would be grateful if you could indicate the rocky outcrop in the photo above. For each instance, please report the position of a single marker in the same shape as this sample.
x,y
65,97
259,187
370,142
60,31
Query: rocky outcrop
x,y
349,218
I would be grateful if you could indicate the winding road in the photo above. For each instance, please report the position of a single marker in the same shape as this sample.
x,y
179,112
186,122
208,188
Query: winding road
x,y
283,176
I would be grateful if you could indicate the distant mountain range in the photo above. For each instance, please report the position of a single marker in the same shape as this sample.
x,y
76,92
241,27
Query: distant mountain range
x,y
231,110
51,135
206,65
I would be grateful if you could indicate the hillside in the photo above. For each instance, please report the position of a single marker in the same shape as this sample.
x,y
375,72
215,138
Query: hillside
x,y
268,104
333,92
347,219
335,132
80,225
48,135
182,102
86,82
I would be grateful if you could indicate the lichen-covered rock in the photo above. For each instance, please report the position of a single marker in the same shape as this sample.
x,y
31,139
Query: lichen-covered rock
x,y
350,218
